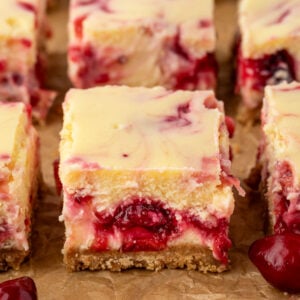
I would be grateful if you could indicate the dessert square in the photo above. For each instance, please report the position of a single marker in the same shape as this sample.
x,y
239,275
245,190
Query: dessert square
x,y
146,179
22,32
142,43
269,47
19,170
280,155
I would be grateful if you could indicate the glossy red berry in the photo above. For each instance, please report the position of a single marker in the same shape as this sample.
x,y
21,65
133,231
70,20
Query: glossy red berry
x,y
230,126
277,257
18,289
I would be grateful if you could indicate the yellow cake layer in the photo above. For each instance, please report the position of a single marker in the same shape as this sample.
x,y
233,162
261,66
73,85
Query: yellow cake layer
x,y
19,168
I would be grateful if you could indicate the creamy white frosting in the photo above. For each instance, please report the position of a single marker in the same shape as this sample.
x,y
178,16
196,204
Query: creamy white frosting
x,y
268,26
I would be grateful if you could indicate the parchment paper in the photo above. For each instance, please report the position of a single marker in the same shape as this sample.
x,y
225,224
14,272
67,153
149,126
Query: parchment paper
x,y
45,265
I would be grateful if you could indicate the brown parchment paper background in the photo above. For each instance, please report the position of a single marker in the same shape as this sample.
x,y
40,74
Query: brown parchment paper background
x,y
45,265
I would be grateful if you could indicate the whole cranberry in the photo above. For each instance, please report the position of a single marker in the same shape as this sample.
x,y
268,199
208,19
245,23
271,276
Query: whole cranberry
x,y
18,289
277,257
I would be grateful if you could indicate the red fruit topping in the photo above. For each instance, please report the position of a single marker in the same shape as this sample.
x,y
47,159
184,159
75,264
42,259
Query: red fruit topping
x,y
4,156
2,65
282,17
102,78
148,225
230,126
205,23
270,69
180,120
210,103
27,6
277,257
58,183
26,43
18,289
17,78
198,69
78,26
34,99
217,232
145,225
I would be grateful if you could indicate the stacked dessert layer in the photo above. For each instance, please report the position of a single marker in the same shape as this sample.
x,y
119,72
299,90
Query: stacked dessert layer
x,y
269,47
281,157
21,34
18,182
142,43
146,179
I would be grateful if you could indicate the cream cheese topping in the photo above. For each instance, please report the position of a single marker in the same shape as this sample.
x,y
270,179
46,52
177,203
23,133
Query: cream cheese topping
x,y
268,26
138,128
17,18
195,19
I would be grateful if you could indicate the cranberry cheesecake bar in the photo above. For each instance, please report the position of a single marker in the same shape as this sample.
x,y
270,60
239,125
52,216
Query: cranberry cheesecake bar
x,y
142,43
19,170
21,34
269,47
280,155
146,179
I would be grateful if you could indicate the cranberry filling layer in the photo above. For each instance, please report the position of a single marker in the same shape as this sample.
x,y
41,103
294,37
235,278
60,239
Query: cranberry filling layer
x,y
198,72
148,225
268,70
287,216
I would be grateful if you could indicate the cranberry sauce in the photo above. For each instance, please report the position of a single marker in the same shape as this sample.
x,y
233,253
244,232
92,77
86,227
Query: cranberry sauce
x,y
277,258
270,69
287,216
198,72
18,289
148,225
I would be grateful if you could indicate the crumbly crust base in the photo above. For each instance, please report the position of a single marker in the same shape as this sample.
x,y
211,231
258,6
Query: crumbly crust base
x,y
12,259
189,257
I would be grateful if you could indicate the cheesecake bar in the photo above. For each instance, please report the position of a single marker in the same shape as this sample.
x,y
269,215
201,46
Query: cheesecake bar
x,y
19,170
268,51
142,43
280,155
146,179
22,29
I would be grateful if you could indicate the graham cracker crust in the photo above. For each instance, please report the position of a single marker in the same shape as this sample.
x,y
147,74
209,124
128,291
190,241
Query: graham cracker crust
x,y
12,259
181,257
